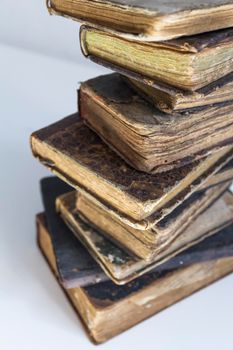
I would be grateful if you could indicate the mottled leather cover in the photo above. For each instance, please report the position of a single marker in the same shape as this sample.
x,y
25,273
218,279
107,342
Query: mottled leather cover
x,y
72,139
175,91
215,247
123,267
75,265
113,91
218,246
169,99
119,308
145,137
146,244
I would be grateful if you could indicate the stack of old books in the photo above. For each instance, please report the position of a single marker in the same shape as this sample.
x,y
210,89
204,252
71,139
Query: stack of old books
x,y
149,157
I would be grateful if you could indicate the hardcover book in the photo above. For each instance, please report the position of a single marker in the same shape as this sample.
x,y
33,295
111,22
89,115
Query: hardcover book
x,y
123,267
79,157
150,140
75,266
152,20
187,63
107,310
146,244
169,99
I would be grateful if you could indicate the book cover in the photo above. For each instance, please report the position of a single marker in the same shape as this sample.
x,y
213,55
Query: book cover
x,y
74,264
146,244
189,63
145,137
153,20
123,267
79,157
169,99
107,310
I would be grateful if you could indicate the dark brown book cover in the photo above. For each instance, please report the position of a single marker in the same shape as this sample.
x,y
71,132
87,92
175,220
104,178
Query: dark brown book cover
x,y
79,157
107,310
169,99
75,266
123,267
146,244
145,137
152,20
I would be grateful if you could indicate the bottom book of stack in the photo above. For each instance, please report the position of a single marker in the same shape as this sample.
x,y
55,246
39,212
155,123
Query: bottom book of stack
x,y
107,309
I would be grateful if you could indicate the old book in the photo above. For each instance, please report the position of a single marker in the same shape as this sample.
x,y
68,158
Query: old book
x,y
77,267
224,176
187,63
123,267
107,310
78,156
152,20
145,137
169,99
146,244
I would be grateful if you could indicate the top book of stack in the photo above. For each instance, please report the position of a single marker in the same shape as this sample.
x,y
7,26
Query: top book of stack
x,y
149,20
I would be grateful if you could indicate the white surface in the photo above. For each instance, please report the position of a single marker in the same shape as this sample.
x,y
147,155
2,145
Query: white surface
x,y
27,24
34,314
36,90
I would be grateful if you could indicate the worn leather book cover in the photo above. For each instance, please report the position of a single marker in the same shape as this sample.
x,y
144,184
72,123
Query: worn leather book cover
x,y
146,244
123,267
107,310
152,20
169,99
145,137
75,266
188,63
79,157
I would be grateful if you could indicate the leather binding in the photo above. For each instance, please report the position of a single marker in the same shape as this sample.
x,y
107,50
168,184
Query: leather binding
x,y
150,140
169,99
122,267
107,310
160,21
146,244
194,47
75,266
139,198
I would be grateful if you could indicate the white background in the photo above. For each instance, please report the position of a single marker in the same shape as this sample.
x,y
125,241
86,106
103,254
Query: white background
x,y
40,67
